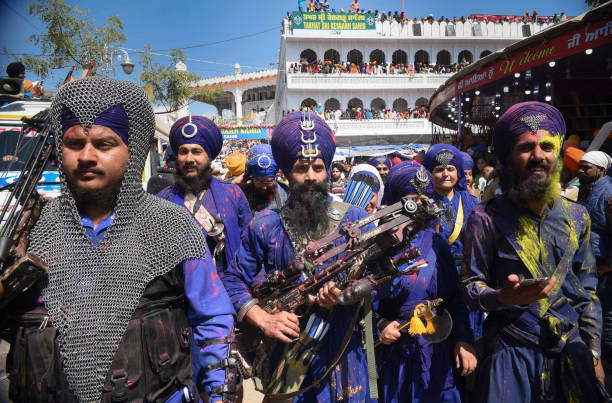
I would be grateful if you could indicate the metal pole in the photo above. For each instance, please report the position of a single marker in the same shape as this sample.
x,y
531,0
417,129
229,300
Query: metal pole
x,y
459,122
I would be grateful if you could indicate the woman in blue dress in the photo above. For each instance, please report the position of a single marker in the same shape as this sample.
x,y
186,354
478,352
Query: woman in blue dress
x,y
414,369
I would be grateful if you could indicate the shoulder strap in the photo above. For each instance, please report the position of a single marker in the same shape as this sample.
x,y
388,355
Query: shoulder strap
x,y
458,223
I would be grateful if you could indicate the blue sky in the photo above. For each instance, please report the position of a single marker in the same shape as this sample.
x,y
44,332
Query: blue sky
x,y
167,24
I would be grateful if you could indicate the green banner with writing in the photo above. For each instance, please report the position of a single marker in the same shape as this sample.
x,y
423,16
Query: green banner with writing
x,y
333,21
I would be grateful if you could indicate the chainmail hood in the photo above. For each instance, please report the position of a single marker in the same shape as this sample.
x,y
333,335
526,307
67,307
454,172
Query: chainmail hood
x,y
93,290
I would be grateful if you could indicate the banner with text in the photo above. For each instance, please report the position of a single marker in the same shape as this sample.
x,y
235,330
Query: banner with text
x,y
246,133
333,21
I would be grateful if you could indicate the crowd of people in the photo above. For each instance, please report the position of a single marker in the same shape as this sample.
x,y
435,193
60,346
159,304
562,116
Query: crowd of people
x,y
329,67
151,295
356,113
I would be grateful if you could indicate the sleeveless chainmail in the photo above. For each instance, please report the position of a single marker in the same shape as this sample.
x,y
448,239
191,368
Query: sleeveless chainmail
x,y
93,290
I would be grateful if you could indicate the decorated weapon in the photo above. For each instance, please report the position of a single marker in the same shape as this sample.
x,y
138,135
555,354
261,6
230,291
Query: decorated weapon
x,y
21,209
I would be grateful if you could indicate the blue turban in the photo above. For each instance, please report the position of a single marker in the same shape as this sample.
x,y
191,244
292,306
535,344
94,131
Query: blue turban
x,y
445,154
260,162
380,160
468,162
290,141
407,178
525,117
197,130
114,118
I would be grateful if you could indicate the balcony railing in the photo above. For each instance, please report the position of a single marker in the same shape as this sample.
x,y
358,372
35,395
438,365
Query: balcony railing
x,y
377,127
364,81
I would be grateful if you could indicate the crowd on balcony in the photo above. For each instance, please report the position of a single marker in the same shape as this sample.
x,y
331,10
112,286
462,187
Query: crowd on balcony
x,y
357,113
328,67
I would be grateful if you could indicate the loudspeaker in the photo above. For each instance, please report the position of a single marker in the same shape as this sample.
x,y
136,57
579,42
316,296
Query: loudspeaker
x,y
416,29
477,29
450,30
11,86
526,30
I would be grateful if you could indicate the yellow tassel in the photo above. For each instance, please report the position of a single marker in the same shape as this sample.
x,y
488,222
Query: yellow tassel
x,y
416,324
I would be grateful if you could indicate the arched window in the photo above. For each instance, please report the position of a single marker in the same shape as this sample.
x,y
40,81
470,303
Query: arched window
x,y
400,105
354,56
332,104
377,56
308,55
399,57
377,104
443,57
355,103
485,53
332,55
421,56
421,102
309,103
465,56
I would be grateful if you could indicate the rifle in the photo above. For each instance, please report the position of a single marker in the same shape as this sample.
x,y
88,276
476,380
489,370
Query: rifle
x,y
20,270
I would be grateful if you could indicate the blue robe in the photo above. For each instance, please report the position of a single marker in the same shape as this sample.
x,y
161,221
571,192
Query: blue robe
x,y
266,245
469,202
229,202
596,204
413,369
530,355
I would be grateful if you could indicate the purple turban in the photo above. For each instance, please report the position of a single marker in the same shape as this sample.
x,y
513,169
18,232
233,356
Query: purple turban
x,y
301,135
407,178
114,118
525,117
197,130
380,160
445,154
260,162
468,162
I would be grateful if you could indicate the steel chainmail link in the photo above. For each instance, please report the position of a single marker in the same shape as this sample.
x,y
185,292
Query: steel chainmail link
x,y
93,290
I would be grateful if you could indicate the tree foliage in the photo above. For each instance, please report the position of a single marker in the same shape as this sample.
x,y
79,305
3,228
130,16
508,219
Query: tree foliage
x,y
71,38
171,88
594,3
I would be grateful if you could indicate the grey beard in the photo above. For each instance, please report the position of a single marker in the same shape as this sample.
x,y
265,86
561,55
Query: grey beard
x,y
306,210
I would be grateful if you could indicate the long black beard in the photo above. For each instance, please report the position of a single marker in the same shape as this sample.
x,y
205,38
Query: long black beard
x,y
258,198
105,197
534,188
197,183
306,210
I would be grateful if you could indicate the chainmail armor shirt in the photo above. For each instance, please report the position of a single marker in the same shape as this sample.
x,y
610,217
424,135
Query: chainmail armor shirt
x,y
93,289
266,244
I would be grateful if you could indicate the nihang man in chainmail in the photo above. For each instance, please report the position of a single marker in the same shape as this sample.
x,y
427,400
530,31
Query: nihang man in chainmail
x,y
303,148
219,207
131,285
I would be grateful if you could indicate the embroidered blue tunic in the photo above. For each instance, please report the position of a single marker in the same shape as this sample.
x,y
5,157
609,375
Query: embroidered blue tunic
x,y
413,369
541,351
229,202
266,244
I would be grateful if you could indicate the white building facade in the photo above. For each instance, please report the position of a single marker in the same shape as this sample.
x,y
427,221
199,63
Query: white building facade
x,y
390,42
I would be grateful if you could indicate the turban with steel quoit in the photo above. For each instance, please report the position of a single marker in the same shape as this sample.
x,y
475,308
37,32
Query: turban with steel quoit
x,y
380,160
302,135
407,178
525,117
445,154
197,130
260,163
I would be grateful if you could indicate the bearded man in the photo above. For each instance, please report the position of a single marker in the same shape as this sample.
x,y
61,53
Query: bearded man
x,y
219,207
303,149
261,188
528,263
382,163
130,286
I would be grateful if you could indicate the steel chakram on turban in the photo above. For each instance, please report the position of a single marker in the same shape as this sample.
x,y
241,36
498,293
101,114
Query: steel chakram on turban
x,y
197,130
302,135
445,154
260,163
525,117
380,160
406,178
